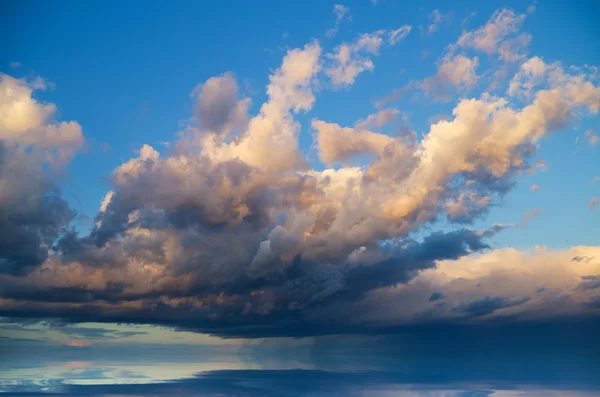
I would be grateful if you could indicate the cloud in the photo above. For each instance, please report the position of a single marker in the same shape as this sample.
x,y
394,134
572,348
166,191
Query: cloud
x,y
529,214
378,119
399,34
454,73
534,188
436,296
592,137
530,75
341,13
231,232
497,37
593,203
437,20
395,95
590,282
15,64
34,150
217,109
488,305
349,60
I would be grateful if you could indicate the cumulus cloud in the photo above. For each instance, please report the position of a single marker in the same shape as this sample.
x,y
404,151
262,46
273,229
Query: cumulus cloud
x,y
530,75
217,108
34,149
337,144
457,73
504,284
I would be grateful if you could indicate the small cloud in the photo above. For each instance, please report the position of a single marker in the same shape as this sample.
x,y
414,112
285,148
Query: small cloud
x,y
396,35
531,8
15,64
468,17
438,19
541,165
341,13
593,203
592,137
529,214
454,74
582,258
534,188
79,343
436,296
595,180
395,95
40,83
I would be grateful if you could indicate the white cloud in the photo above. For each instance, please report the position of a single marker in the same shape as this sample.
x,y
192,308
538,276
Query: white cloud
x,y
454,73
349,60
337,144
399,34
592,137
377,120
341,13
530,75
492,38
437,20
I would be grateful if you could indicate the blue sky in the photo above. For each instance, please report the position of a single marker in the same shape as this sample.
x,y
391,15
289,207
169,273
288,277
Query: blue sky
x,y
474,203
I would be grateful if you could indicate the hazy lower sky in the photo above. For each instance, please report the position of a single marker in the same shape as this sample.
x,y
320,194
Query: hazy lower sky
x,y
270,176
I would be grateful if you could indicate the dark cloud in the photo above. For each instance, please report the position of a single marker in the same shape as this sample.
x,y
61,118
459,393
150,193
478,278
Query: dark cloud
x,y
488,305
590,282
593,303
94,333
436,296
30,226
217,109
298,301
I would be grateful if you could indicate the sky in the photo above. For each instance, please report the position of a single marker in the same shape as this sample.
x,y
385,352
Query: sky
x,y
237,179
